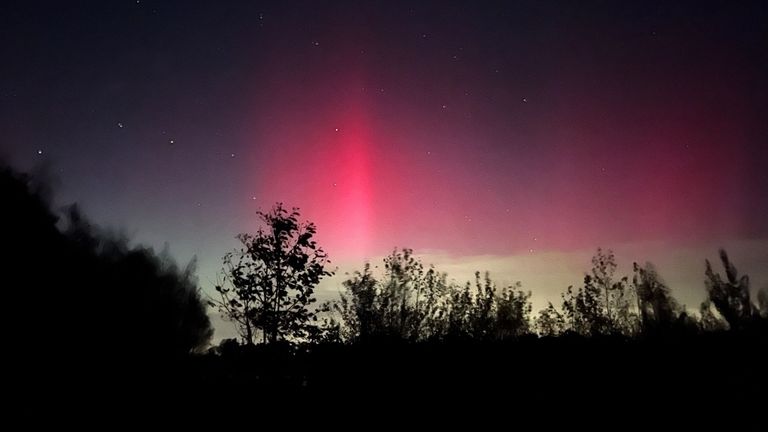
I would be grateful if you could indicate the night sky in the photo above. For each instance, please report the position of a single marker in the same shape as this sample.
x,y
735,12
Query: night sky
x,y
511,136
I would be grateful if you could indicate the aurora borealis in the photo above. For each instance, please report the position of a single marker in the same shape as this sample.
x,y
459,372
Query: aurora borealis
x,y
502,135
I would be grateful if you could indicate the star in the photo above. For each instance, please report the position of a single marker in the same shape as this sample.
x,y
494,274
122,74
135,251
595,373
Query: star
x,y
525,100
316,43
39,152
171,142
336,129
445,106
232,155
120,125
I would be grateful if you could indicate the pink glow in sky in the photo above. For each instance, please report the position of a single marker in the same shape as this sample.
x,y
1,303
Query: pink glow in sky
x,y
457,129
378,167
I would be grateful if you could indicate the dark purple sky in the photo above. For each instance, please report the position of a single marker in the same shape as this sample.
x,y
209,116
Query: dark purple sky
x,y
502,129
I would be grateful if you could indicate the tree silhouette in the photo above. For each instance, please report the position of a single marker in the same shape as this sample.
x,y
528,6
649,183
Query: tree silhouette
x,y
603,305
730,295
158,302
550,322
486,313
709,320
124,296
268,286
403,304
583,310
762,302
658,309
513,312
413,304
88,309
411,295
357,307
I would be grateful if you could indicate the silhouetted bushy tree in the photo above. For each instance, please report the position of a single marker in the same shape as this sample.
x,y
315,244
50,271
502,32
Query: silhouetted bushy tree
x,y
485,313
584,311
268,285
658,309
404,304
358,308
618,300
709,319
159,304
471,312
513,312
413,304
550,322
601,306
762,302
730,295
409,296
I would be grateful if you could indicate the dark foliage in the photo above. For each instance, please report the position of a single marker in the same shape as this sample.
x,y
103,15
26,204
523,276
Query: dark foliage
x,y
730,295
268,286
409,303
659,311
85,310
84,307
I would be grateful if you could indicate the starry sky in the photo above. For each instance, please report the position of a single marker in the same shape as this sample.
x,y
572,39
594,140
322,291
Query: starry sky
x,y
510,136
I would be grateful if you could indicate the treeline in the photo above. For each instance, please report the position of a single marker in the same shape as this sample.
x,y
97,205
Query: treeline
x,y
408,340
267,290
411,302
85,309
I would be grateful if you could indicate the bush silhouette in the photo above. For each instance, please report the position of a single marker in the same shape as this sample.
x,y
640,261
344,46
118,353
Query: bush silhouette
x,y
402,305
409,303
